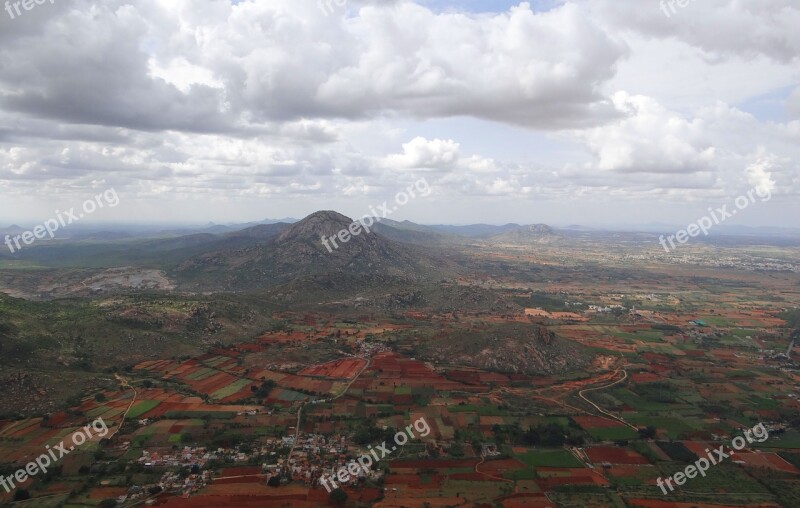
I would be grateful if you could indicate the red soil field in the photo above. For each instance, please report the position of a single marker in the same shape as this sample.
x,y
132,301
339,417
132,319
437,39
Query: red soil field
x,y
222,501
292,381
536,500
392,368
699,447
252,495
654,503
250,348
644,377
414,481
618,471
42,439
395,501
57,419
30,427
498,467
240,471
346,368
268,338
472,477
433,464
409,479
578,476
241,394
246,479
768,460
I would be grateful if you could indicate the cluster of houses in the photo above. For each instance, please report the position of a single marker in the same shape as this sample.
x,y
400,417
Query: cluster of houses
x,y
177,484
747,263
607,308
365,349
314,456
186,457
171,482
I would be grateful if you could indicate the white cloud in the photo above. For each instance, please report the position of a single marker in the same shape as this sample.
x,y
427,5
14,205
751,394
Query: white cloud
x,y
649,139
793,103
759,173
532,69
232,103
182,74
718,28
420,153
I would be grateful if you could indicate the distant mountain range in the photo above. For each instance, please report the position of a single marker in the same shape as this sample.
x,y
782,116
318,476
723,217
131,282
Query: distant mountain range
x,y
270,253
283,253
526,235
477,230
404,231
278,249
410,232
119,231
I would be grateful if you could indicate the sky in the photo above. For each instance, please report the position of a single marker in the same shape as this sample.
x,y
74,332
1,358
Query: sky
x,y
592,112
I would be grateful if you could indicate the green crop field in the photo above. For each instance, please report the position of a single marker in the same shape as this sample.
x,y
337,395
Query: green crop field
x,y
549,458
201,374
142,407
230,389
787,440
612,433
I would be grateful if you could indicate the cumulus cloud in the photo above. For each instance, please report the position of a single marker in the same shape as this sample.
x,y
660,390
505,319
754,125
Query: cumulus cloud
x,y
759,173
532,69
88,67
649,139
719,28
158,65
275,99
793,103
420,153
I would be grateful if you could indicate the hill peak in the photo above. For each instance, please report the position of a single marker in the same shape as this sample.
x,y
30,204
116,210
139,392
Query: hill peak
x,y
542,229
323,223
525,235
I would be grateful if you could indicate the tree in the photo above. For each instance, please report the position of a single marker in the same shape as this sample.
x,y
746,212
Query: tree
x,y
22,495
339,497
574,438
648,432
266,387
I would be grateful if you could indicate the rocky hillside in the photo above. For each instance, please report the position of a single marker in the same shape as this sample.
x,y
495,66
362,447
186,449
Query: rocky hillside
x,y
299,252
527,235
511,348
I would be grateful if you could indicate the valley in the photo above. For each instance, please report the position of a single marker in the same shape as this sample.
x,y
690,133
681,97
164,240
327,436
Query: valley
x,y
552,371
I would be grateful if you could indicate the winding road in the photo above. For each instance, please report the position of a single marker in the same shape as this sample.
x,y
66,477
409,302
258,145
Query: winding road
x,y
623,378
302,405
125,384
